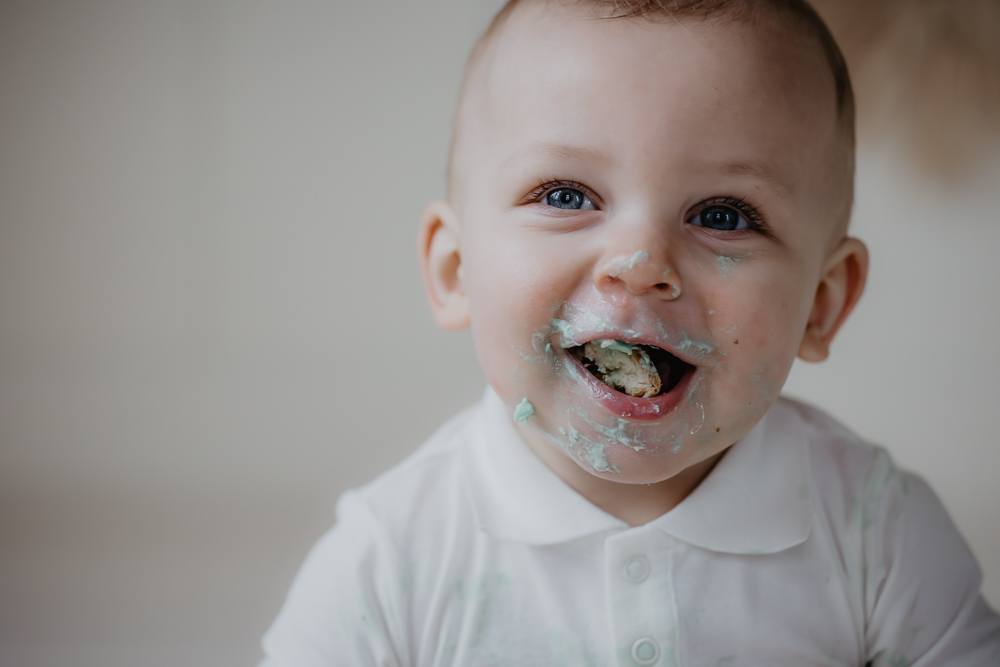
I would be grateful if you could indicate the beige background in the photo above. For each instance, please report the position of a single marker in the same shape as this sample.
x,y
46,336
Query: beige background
x,y
211,321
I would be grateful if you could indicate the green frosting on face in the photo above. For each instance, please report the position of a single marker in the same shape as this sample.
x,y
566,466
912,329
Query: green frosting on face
x,y
567,330
523,410
640,256
696,347
727,264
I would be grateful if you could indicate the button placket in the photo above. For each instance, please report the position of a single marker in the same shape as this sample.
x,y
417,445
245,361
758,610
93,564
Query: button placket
x,y
638,579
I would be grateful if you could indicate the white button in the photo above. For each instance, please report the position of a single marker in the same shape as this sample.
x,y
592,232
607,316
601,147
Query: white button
x,y
645,651
636,569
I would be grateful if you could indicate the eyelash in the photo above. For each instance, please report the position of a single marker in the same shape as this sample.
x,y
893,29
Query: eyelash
x,y
545,186
755,220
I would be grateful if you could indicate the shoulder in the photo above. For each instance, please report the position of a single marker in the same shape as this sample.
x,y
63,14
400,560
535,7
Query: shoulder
x,y
352,601
915,578
427,483
822,432
856,485
840,461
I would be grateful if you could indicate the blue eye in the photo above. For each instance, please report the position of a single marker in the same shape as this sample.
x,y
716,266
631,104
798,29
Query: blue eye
x,y
569,198
722,218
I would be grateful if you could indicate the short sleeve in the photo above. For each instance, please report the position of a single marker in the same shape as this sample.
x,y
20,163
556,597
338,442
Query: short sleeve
x,y
922,583
340,608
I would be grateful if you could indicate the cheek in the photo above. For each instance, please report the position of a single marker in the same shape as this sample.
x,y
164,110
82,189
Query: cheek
x,y
759,326
771,330
507,296
512,296
518,281
503,271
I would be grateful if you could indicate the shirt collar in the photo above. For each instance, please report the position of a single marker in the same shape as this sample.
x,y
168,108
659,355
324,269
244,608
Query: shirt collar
x,y
755,500
515,496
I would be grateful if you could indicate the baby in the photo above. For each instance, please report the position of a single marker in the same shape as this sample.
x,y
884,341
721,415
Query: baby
x,y
646,223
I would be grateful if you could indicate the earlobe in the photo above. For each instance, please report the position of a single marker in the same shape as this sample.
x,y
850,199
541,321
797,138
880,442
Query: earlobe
x,y
840,287
441,265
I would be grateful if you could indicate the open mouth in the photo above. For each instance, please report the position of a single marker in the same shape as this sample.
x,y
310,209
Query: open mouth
x,y
641,371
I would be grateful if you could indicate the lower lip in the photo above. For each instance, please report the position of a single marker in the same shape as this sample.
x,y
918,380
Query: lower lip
x,y
631,407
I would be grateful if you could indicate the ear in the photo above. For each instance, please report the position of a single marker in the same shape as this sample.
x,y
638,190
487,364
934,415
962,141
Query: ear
x,y
441,265
840,287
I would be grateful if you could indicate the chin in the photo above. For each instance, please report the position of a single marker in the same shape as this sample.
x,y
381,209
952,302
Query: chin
x,y
643,467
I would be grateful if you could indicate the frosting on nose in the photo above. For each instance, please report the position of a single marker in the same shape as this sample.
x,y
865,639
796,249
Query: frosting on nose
x,y
638,275
623,263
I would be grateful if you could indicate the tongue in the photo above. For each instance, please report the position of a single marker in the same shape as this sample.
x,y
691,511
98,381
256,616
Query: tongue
x,y
623,367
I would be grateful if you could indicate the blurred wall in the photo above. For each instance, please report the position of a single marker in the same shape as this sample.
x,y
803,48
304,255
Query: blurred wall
x,y
211,320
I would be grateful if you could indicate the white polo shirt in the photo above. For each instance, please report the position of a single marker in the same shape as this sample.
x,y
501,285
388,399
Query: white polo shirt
x,y
803,546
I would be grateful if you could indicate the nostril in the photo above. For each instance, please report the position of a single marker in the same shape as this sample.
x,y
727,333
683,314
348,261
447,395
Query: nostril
x,y
638,280
669,290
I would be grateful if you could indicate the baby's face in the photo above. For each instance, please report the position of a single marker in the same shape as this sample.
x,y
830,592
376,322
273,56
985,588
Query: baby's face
x,y
673,186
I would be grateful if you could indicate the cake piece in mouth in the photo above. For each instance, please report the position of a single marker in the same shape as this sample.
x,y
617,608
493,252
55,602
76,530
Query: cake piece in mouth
x,y
622,366
637,370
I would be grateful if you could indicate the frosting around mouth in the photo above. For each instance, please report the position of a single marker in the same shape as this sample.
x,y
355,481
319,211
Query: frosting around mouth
x,y
626,394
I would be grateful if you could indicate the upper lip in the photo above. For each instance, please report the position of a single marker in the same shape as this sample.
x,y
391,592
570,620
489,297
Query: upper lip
x,y
634,340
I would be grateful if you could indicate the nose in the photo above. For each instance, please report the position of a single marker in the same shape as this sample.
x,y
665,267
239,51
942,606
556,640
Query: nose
x,y
639,274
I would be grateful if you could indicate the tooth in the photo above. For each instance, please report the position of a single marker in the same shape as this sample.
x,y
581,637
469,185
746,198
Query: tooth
x,y
623,366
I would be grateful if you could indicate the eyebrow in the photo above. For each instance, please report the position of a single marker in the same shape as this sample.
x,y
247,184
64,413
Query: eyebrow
x,y
756,170
760,172
565,151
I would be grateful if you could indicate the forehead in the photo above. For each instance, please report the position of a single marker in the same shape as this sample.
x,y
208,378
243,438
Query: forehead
x,y
558,79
